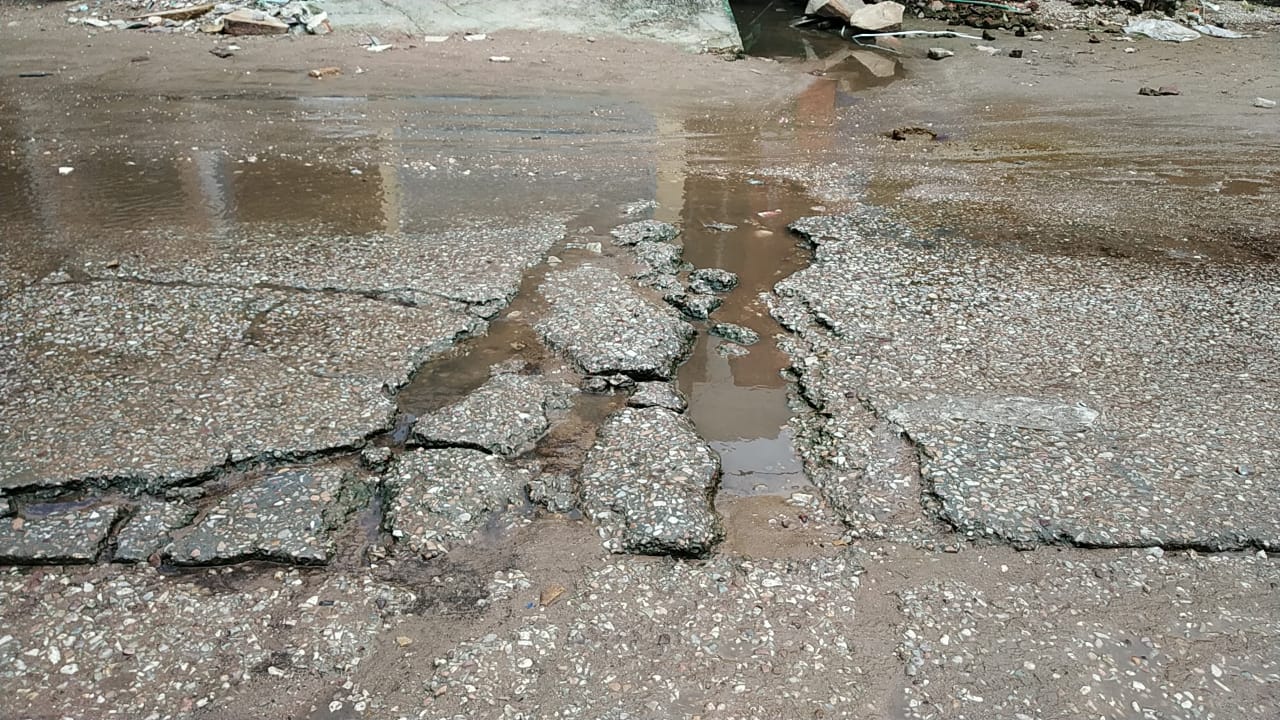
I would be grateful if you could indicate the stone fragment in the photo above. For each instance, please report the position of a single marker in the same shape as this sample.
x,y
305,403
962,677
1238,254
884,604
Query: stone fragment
x,y
287,516
252,22
877,17
735,333
698,306
937,53
658,394
506,416
644,230
441,498
53,534
553,492
377,459
648,481
712,280
148,529
605,327
658,258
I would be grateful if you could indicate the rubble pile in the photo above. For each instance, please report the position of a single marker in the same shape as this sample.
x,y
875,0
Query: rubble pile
x,y
243,17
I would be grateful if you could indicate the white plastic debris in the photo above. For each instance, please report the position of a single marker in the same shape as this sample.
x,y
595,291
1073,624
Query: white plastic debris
x,y
67,169
1166,30
1218,32
499,59
1261,102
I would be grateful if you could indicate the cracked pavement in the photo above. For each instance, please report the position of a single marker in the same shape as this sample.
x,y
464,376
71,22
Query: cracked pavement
x,y
291,423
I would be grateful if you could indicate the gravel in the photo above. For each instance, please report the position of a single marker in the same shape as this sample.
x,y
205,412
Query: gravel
x,y
648,482
1110,637
505,416
1089,400
288,516
658,394
442,498
605,327
56,534
644,231
639,638
133,643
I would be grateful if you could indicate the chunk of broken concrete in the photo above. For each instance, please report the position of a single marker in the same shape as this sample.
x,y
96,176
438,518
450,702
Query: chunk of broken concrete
x,y
287,516
937,53
840,9
505,416
878,17
604,326
148,529
735,333
648,481
252,22
712,280
637,232
698,306
658,394
440,498
70,535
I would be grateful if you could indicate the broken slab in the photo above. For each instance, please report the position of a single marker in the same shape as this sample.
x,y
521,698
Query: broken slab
x,y
657,258
443,497
189,379
56,535
644,231
649,481
735,333
505,416
697,306
658,394
878,17
839,9
1003,394
604,326
252,22
712,280
287,516
149,529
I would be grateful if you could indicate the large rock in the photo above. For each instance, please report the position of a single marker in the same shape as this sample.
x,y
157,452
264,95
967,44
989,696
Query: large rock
x,y
440,498
878,17
649,481
605,327
56,535
506,416
288,516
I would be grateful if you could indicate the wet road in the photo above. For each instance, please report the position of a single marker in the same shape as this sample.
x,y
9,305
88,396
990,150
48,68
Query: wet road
x,y
331,404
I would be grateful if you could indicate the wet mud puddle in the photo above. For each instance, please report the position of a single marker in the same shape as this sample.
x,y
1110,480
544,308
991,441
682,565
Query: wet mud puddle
x,y
739,401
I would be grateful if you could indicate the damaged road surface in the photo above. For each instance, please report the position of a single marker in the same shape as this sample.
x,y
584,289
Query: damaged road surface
x,y
578,378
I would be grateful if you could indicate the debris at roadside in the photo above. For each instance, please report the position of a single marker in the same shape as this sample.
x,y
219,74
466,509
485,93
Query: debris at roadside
x,y
243,17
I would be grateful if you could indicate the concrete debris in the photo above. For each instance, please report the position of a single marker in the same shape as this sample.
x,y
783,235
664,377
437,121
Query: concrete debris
x,y
1162,90
505,416
658,394
602,384
657,258
605,327
288,516
839,9
697,306
937,53
712,280
554,493
149,529
56,534
648,481
241,17
735,333
441,498
878,17
644,230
